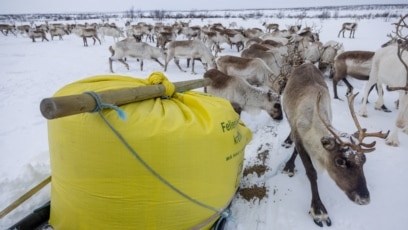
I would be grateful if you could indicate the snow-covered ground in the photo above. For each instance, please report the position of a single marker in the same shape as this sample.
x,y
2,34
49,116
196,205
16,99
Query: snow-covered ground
x,y
32,71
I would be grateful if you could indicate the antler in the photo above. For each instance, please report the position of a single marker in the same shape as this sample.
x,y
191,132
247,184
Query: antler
x,y
402,47
360,147
362,133
342,143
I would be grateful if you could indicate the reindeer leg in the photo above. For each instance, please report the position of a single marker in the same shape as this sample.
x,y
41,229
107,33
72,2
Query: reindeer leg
x,y
188,62
290,164
141,64
120,60
98,40
85,41
110,65
335,88
192,66
379,105
317,209
287,142
349,86
157,60
176,60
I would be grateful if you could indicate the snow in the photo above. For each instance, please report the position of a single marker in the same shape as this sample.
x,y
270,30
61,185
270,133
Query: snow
x,y
33,71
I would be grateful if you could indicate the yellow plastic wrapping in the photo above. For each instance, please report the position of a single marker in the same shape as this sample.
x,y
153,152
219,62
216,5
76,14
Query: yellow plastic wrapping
x,y
194,141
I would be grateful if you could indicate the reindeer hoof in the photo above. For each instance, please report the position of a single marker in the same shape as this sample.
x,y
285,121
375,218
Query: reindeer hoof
x,y
319,222
384,108
288,172
286,144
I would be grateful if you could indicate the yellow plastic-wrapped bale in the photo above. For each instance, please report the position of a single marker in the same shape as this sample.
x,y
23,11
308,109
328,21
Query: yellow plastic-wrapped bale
x,y
192,144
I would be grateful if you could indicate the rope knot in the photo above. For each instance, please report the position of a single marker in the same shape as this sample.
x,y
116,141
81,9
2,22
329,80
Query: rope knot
x,y
157,78
100,105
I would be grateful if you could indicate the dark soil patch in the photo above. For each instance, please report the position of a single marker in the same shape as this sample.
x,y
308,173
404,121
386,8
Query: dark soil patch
x,y
253,192
258,169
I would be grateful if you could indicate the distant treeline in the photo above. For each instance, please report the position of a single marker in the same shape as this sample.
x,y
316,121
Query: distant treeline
x,y
324,12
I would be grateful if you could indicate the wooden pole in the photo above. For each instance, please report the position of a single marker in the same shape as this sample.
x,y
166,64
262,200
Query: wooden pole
x,y
57,107
24,197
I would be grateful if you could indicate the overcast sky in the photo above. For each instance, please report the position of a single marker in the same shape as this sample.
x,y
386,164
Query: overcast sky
x,y
69,6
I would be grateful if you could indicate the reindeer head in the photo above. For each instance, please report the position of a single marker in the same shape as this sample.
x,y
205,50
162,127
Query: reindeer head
x,y
275,109
347,157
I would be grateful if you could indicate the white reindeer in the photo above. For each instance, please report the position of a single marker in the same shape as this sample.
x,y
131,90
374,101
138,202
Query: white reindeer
x,y
113,32
190,49
37,33
130,48
388,69
57,31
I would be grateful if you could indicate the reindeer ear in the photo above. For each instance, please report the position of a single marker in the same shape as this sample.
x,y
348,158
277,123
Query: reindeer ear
x,y
329,143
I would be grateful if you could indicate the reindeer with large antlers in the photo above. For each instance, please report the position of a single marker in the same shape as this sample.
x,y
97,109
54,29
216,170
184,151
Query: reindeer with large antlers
x,y
389,67
307,105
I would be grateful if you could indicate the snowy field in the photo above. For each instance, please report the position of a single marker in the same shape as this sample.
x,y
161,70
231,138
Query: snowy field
x,y
33,71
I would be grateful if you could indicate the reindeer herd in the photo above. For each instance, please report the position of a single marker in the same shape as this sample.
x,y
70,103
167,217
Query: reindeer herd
x,y
280,71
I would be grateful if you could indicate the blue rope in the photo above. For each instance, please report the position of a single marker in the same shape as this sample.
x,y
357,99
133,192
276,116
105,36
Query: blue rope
x,y
100,105
99,108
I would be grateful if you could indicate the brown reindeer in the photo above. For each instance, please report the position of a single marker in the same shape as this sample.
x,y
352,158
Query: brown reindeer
x,y
352,26
242,95
306,103
85,33
5,29
270,26
356,64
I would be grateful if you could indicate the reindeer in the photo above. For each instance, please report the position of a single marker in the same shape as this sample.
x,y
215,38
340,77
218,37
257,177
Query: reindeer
x,y
236,38
37,33
85,33
272,57
270,26
214,39
130,48
192,49
352,26
252,32
163,38
23,29
306,103
254,70
113,32
278,36
5,29
190,32
356,64
331,49
390,67
242,95
57,31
